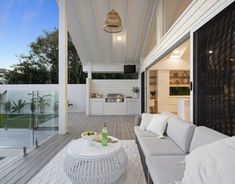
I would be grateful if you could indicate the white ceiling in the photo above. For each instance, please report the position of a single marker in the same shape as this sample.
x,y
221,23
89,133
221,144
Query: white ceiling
x,y
177,59
100,49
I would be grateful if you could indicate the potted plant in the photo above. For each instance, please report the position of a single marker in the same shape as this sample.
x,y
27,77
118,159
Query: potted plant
x,y
153,93
136,91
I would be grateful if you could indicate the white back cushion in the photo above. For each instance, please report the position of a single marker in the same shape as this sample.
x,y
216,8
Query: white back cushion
x,y
181,132
203,135
158,124
145,120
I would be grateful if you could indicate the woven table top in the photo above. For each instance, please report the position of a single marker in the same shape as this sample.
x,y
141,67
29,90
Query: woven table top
x,y
79,149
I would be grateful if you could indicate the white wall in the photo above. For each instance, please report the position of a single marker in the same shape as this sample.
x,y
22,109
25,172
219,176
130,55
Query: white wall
x,y
76,95
163,90
172,11
178,59
114,86
172,64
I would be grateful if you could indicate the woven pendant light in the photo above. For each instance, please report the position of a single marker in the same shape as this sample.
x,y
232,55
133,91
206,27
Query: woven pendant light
x,y
113,22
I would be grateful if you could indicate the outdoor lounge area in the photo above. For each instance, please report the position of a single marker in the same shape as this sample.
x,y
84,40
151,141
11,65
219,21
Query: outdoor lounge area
x,y
120,92
23,169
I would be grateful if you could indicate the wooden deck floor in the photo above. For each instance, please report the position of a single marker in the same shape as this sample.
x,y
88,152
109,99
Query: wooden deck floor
x,y
22,170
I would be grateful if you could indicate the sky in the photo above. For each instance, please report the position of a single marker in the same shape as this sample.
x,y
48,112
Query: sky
x,y
21,22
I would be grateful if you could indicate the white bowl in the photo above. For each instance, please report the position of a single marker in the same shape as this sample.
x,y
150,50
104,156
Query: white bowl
x,y
89,138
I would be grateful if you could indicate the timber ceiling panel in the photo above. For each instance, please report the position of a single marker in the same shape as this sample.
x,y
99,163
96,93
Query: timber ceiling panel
x,y
95,46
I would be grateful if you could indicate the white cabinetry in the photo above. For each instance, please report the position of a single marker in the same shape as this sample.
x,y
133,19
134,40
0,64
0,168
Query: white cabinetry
x,y
184,109
97,106
173,104
114,108
132,106
128,107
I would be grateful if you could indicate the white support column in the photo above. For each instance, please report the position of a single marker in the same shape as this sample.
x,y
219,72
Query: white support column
x,y
89,72
88,88
63,74
88,93
160,21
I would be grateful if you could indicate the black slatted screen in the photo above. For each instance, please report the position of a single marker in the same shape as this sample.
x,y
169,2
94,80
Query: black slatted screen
x,y
214,73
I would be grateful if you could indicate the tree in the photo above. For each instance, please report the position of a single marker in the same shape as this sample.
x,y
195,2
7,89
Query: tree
x,y
33,108
2,96
27,72
17,107
43,101
7,109
40,66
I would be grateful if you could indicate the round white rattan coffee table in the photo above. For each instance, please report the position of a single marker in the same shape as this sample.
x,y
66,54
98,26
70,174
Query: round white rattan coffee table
x,y
95,164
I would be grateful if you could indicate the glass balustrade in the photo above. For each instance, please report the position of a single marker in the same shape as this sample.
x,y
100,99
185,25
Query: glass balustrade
x,y
27,119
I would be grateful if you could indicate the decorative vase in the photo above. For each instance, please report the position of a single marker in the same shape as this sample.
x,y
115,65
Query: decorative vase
x,y
136,95
89,139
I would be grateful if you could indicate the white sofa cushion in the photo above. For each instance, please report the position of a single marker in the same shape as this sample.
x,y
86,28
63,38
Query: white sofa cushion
x,y
158,124
166,169
181,132
145,120
155,146
212,163
139,132
203,135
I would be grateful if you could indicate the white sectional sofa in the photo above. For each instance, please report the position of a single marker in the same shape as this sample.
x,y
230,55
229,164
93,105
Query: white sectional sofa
x,y
163,159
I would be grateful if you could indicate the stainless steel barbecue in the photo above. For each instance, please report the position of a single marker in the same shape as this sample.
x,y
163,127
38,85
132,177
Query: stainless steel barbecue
x,y
115,98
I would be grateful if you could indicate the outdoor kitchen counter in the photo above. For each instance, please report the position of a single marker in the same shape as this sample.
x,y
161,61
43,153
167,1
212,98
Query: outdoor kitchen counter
x,y
97,99
130,106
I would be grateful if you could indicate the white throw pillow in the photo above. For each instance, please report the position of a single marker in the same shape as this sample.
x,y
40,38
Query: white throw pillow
x,y
158,124
145,120
213,163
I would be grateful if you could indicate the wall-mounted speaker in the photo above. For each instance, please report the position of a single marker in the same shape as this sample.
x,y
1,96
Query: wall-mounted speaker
x,y
129,69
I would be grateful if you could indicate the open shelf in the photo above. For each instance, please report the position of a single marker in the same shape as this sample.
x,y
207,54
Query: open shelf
x,y
179,78
179,85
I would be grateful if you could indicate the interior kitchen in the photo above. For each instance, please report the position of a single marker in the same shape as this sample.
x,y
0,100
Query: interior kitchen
x,y
168,85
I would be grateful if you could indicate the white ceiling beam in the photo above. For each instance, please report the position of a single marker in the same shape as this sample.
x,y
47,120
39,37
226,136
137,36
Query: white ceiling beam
x,y
126,25
79,4
119,46
82,33
98,35
76,33
113,67
148,29
141,30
